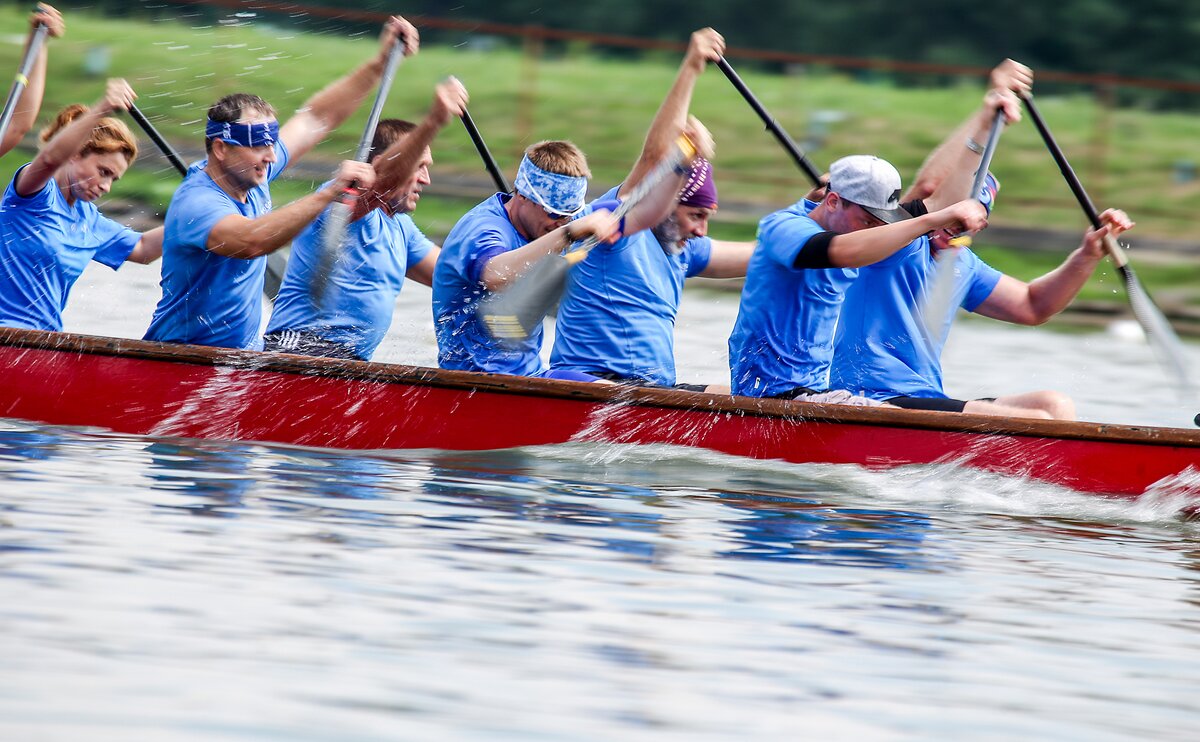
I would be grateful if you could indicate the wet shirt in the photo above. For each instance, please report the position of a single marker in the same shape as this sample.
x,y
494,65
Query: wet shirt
x,y
883,349
618,312
210,299
45,243
361,294
783,336
463,342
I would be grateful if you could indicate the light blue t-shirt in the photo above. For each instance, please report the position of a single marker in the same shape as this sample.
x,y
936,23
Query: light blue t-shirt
x,y
45,243
783,336
361,294
883,349
209,299
618,311
463,342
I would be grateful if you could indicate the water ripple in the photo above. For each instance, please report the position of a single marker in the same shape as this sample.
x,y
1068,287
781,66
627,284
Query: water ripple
x,y
587,591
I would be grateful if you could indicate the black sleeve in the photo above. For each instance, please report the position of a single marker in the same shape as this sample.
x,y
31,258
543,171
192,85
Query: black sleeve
x,y
815,253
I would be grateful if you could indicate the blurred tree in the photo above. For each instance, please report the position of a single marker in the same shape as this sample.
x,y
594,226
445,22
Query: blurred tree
x,y
1153,38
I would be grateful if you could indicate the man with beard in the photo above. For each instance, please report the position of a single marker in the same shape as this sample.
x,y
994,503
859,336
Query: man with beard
x,y
381,248
616,320
617,317
501,237
220,226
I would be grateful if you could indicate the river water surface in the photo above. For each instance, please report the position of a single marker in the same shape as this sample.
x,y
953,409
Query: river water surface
x,y
168,589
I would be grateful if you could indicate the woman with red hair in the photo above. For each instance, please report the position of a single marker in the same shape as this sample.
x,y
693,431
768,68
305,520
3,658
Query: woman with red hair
x,y
49,227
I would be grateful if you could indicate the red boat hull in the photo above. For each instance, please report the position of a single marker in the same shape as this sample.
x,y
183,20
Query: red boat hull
x,y
154,389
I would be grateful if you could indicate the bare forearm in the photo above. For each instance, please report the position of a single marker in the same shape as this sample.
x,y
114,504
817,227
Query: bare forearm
x,y
1051,293
398,163
948,173
728,259
668,123
329,108
238,237
503,268
334,104
31,102
867,246
937,174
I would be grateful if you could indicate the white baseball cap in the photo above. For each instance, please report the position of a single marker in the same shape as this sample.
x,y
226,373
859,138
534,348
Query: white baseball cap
x,y
871,183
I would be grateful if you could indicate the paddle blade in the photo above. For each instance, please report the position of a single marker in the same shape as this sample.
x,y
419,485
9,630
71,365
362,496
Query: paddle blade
x,y
1160,335
332,236
512,315
939,301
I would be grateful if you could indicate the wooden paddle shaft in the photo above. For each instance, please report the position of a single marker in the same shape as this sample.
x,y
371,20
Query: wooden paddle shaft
x,y
22,77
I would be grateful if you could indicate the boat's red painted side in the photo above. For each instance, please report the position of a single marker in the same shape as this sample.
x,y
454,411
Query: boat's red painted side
x,y
347,405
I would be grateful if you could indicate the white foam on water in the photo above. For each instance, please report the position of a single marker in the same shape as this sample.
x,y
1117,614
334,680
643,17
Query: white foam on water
x,y
949,486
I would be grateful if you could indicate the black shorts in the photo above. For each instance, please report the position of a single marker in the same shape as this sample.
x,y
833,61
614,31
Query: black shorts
x,y
937,404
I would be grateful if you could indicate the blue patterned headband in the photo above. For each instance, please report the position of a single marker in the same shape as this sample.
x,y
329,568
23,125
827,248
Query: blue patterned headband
x,y
560,195
243,135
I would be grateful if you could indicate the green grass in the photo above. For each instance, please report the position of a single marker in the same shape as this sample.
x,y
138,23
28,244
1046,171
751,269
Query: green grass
x,y
1127,157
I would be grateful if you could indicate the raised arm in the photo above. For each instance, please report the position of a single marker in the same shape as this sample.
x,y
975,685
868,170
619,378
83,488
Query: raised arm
x,y
947,174
397,163
866,246
330,107
1036,302
118,96
706,46
26,113
660,202
237,236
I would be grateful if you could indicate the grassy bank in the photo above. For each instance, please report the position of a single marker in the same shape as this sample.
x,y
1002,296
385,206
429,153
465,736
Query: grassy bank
x,y
605,106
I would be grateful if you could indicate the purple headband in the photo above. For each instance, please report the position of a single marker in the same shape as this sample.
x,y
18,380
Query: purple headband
x,y
243,135
699,189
